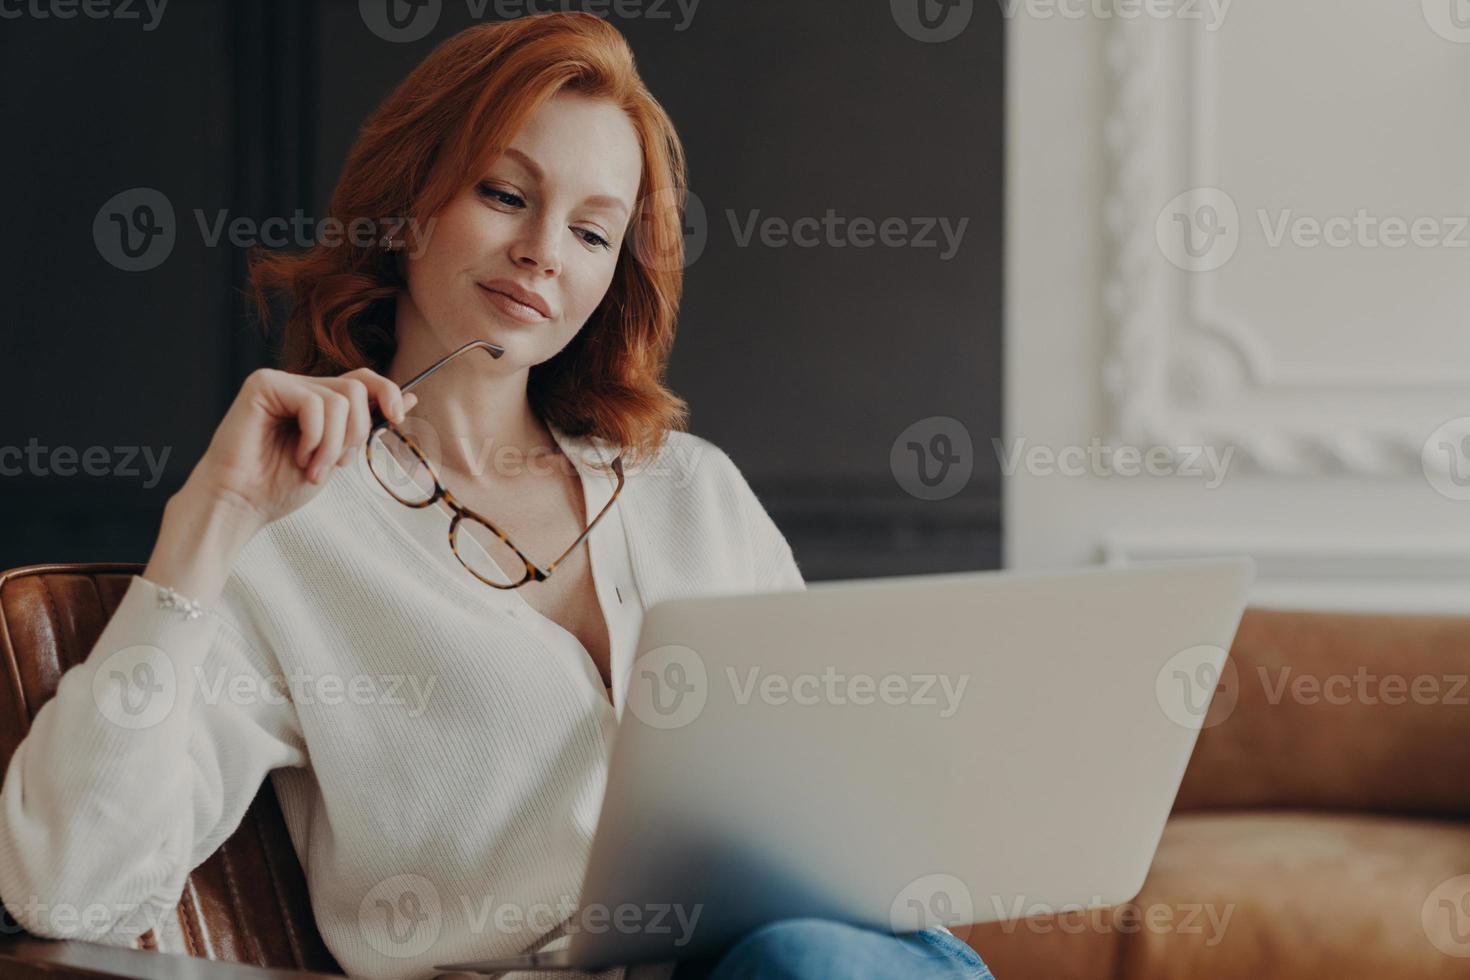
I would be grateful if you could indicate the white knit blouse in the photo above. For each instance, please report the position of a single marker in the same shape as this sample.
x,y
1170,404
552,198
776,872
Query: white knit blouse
x,y
439,747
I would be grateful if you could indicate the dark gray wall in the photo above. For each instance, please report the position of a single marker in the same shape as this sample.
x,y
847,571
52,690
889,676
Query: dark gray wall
x,y
804,363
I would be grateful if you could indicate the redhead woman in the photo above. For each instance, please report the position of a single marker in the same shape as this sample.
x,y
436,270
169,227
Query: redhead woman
x,y
405,579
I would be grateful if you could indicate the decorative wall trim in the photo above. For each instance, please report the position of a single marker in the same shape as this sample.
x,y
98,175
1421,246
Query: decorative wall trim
x,y
1425,575
1171,360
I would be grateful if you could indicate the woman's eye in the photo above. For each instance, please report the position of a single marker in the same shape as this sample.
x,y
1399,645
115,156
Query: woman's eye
x,y
504,197
593,238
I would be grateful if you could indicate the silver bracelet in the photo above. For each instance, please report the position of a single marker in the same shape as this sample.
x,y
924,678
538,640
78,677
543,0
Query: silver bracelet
x,y
169,599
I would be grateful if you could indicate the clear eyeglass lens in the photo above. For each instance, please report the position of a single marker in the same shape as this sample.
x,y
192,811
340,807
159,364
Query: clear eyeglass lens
x,y
400,470
486,554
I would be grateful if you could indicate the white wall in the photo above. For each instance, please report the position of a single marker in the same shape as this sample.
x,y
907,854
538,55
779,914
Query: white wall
x,y
1323,375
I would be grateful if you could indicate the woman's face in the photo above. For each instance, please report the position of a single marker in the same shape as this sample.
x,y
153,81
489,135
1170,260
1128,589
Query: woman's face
x,y
545,224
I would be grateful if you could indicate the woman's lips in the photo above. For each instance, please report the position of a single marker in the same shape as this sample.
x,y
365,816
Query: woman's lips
x,y
514,309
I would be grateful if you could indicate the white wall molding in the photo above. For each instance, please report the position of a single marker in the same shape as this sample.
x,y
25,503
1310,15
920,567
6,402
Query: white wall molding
x,y
1182,371
1315,571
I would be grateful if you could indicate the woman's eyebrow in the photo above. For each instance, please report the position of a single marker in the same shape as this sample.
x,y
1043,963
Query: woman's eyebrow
x,y
534,169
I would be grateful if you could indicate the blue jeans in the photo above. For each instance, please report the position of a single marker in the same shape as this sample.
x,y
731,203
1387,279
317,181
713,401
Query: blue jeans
x,y
822,949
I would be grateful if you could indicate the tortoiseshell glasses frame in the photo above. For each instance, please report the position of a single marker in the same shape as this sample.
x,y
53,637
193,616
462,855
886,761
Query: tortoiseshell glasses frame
x,y
531,572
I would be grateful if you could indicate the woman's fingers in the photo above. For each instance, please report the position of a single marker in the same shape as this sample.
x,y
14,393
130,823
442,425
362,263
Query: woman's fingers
x,y
337,408
300,400
384,393
363,389
334,414
359,416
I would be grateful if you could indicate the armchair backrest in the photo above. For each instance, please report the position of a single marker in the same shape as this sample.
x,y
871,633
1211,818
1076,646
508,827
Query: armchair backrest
x,y
248,902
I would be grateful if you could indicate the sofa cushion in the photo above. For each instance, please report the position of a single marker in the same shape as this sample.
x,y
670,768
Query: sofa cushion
x,y
1241,895
1305,895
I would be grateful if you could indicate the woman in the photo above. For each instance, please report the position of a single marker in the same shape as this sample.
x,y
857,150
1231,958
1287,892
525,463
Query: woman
x,y
435,714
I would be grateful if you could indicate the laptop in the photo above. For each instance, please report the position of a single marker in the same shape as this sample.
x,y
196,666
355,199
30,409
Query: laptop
x,y
897,753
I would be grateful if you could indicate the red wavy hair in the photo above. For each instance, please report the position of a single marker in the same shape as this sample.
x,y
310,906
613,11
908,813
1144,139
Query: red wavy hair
x,y
438,132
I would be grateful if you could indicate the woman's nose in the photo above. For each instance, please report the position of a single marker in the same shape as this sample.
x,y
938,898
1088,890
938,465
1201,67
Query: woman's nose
x,y
538,249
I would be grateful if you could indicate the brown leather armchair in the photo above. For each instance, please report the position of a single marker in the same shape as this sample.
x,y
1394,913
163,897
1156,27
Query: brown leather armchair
x,y
246,905
1321,823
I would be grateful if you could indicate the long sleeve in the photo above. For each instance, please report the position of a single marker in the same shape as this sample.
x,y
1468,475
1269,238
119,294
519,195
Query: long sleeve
x,y
142,764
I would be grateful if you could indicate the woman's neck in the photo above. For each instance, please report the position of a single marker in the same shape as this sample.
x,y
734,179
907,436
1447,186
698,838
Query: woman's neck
x,y
480,417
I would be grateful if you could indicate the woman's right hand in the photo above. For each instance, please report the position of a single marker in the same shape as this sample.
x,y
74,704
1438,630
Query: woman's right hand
x,y
286,433
280,441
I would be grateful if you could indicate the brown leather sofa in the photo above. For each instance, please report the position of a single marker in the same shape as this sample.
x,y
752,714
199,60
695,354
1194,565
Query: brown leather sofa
x,y
1325,803
1320,812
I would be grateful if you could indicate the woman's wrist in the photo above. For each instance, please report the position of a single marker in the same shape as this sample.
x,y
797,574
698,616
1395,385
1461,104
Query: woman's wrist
x,y
198,542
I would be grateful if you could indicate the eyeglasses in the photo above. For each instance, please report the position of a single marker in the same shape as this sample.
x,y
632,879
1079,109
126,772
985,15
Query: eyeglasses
x,y
485,550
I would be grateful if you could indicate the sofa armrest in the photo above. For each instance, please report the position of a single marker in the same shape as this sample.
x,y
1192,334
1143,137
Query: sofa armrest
x,y
24,957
